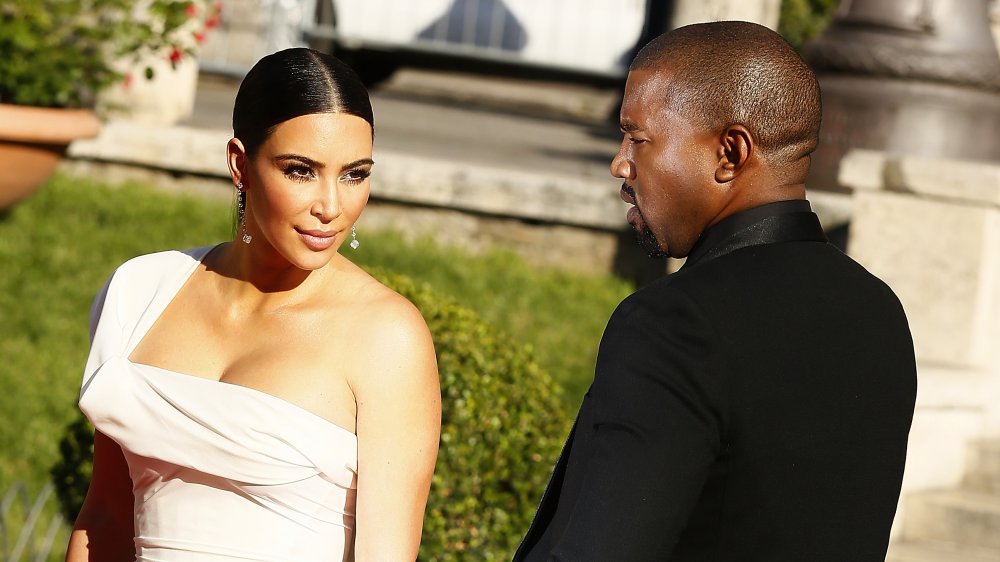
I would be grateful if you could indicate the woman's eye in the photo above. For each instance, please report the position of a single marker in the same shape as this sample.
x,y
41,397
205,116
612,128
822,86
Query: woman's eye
x,y
299,173
356,176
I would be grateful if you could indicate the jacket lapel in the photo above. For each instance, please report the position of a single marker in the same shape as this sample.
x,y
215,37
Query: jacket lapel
x,y
773,229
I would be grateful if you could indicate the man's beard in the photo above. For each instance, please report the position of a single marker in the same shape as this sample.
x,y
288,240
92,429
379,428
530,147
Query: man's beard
x,y
647,240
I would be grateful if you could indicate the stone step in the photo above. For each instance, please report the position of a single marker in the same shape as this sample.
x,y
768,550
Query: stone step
x,y
983,468
939,552
964,517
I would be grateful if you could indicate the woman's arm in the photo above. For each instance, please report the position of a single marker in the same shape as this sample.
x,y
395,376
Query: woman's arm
x,y
398,425
104,530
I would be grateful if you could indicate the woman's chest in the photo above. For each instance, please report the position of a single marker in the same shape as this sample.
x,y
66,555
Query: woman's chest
x,y
300,356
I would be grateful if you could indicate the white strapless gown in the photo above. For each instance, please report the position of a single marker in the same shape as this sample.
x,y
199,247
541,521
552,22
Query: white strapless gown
x,y
220,472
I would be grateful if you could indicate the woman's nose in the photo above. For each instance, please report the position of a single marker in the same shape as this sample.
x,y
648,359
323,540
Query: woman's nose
x,y
326,207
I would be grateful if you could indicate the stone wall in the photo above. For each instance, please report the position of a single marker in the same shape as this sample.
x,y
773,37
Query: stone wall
x,y
549,219
931,230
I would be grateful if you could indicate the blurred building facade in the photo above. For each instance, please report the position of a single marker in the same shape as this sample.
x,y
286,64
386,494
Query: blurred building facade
x,y
562,35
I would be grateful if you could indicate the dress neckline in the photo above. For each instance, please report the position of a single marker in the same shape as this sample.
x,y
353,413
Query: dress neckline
x,y
159,305
249,390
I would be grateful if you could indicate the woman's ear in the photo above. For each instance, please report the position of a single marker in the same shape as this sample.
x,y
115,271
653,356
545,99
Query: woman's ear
x,y
736,146
237,157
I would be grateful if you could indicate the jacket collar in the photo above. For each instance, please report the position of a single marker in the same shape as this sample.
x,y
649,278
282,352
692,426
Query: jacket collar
x,y
781,221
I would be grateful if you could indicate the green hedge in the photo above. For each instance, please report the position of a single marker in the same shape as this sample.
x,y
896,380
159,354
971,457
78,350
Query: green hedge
x,y
502,428
803,20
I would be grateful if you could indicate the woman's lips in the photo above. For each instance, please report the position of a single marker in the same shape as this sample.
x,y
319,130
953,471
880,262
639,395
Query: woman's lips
x,y
317,240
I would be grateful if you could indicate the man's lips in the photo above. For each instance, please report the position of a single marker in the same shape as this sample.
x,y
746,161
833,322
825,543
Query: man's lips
x,y
627,194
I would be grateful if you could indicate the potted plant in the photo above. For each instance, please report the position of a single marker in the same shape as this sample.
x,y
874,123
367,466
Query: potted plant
x,y
57,56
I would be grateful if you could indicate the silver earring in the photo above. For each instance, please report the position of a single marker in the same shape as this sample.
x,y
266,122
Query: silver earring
x,y
354,239
241,205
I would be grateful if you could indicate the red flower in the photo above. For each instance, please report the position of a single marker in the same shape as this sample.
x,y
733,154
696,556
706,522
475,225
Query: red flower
x,y
211,23
199,36
191,10
127,81
175,55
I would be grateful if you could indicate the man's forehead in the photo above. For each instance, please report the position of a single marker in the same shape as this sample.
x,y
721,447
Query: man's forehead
x,y
644,94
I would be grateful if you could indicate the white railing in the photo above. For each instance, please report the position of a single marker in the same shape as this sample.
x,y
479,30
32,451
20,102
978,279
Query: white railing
x,y
249,30
30,527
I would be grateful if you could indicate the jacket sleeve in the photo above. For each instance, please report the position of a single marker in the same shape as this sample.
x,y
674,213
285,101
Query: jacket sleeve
x,y
656,428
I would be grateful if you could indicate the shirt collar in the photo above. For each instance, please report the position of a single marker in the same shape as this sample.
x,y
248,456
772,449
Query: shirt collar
x,y
734,223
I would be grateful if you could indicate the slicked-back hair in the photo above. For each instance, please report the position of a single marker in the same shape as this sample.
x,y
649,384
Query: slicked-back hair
x,y
292,83
733,72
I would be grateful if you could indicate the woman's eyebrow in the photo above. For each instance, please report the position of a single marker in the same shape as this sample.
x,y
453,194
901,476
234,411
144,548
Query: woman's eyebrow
x,y
356,163
303,159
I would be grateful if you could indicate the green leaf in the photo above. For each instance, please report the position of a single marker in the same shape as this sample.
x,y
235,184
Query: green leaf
x,y
72,44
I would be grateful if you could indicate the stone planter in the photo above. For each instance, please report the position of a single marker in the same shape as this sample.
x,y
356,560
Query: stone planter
x,y
165,99
32,141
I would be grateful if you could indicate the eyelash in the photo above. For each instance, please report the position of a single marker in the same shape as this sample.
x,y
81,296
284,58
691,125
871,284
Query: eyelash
x,y
300,173
357,176
295,173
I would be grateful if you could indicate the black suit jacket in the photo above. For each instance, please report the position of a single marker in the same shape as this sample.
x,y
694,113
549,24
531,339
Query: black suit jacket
x,y
753,406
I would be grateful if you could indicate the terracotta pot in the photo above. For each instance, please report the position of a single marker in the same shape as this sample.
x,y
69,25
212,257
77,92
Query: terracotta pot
x,y
32,141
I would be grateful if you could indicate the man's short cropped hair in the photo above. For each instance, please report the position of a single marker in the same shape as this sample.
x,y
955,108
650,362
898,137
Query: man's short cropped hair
x,y
734,72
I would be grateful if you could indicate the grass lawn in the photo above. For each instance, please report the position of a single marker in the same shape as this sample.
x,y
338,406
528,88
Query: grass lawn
x,y
59,247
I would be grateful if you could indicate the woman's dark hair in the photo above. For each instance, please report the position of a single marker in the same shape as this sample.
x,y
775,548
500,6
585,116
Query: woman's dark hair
x,y
292,83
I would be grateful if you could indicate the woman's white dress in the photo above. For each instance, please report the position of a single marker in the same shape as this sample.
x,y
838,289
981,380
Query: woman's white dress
x,y
220,472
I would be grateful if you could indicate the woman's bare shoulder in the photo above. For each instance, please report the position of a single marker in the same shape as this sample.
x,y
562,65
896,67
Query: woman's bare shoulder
x,y
378,302
389,332
389,315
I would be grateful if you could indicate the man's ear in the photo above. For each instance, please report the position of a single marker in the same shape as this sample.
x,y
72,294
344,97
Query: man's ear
x,y
736,146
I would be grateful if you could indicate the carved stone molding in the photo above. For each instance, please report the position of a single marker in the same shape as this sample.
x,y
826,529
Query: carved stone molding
x,y
966,69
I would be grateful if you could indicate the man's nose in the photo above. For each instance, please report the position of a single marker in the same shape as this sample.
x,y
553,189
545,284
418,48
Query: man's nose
x,y
621,167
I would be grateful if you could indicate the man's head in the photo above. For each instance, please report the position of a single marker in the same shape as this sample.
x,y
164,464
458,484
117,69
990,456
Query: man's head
x,y
717,118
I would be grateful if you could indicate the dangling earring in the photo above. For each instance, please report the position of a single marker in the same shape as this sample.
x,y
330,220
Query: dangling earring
x,y
354,239
241,209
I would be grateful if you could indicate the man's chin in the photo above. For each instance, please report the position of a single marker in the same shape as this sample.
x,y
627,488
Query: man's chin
x,y
647,241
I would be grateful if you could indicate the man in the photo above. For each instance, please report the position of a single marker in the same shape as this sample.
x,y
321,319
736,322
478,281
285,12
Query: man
x,y
755,405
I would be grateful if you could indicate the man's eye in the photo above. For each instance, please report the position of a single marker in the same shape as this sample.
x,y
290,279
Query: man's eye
x,y
634,140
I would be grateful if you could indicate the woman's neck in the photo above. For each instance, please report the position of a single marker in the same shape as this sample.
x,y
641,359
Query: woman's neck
x,y
261,278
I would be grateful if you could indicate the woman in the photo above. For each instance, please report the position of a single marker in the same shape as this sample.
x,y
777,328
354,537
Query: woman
x,y
265,398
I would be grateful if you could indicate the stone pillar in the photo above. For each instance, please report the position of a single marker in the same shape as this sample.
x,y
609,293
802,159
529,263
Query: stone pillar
x,y
908,77
995,22
764,12
930,228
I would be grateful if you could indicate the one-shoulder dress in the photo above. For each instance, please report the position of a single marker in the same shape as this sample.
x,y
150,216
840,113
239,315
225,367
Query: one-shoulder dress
x,y
220,472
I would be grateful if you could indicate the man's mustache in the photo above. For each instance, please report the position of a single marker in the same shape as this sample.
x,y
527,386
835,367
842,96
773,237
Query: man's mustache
x,y
628,189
